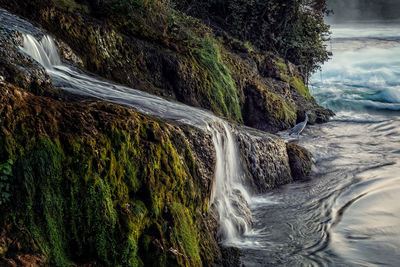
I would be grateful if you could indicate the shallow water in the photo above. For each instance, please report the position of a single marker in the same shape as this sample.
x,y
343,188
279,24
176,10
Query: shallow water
x,y
348,212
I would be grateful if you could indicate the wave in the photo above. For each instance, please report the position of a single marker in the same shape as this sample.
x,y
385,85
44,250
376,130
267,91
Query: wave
x,y
364,81
388,95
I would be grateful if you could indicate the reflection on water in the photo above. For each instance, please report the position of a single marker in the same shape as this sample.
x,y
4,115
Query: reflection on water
x,y
348,212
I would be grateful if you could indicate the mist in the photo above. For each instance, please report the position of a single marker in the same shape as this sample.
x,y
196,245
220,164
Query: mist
x,y
361,10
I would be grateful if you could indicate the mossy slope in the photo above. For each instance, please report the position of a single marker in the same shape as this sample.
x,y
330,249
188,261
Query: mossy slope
x,y
157,49
97,183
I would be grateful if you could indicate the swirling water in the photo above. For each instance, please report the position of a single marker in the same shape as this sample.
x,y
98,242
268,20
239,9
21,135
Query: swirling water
x,y
348,212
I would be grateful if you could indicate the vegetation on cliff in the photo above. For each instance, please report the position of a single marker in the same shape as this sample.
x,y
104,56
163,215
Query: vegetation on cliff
x,y
151,46
294,29
93,183
97,183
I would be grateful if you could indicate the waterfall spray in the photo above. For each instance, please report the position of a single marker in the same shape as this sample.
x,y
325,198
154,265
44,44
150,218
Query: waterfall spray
x,y
229,195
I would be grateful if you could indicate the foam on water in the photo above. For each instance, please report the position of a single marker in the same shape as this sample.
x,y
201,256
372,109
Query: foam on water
x,y
360,79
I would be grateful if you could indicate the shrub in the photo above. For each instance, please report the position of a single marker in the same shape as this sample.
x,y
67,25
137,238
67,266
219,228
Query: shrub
x,y
293,29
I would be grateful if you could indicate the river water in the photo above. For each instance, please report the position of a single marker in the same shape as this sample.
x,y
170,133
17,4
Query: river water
x,y
348,212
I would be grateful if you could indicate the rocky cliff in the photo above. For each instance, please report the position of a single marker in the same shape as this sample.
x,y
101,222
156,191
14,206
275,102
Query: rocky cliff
x,y
88,183
169,54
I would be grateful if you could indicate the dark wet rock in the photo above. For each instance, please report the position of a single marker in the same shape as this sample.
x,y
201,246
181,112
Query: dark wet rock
x,y
67,54
265,159
202,147
230,257
300,161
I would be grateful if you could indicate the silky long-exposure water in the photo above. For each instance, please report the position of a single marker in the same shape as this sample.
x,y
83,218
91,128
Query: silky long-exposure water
x,y
348,212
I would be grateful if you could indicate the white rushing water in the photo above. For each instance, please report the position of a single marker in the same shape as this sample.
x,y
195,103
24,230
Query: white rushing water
x,y
347,213
229,195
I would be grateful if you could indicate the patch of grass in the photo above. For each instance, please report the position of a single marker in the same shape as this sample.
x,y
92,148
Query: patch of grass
x,y
222,90
300,87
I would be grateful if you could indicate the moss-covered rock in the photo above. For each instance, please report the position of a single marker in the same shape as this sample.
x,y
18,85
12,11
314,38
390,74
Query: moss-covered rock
x,y
94,182
300,161
165,52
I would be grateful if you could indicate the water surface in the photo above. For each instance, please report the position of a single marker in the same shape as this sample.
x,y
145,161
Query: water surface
x,y
348,212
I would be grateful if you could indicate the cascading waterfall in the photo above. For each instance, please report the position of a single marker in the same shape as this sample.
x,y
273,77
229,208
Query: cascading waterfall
x,y
44,52
229,196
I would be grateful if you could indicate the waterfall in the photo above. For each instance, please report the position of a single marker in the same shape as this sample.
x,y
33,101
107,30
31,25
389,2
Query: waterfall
x,y
44,52
229,196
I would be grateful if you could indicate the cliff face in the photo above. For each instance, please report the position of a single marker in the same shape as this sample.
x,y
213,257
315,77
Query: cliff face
x,y
180,58
91,183
96,182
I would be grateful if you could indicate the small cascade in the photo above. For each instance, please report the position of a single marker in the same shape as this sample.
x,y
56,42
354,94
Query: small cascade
x,y
229,196
51,50
44,52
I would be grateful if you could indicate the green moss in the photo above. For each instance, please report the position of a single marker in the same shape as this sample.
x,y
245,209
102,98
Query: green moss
x,y
185,234
294,81
278,109
281,66
71,5
300,87
39,198
5,174
81,197
222,94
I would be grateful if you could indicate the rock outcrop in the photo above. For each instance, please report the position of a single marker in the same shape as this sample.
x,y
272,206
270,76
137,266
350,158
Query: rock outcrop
x,y
93,183
97,180
300,161
183,60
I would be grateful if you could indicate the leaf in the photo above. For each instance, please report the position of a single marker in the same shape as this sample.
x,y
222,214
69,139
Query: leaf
x,y
7,170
